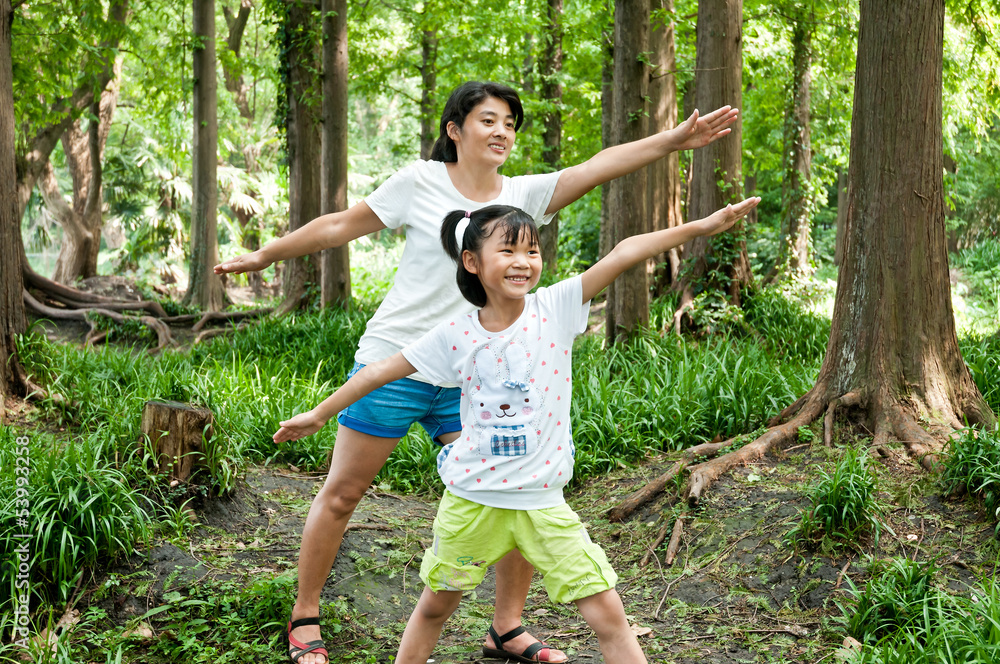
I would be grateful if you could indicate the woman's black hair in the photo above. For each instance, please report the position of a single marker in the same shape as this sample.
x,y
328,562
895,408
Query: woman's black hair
x,y
514,222
461,102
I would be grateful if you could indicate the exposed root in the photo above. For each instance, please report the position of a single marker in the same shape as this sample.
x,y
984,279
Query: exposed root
x,y
848,400
675,541
78,299
628,506
921,444
789,411
162,331
687,302
704,474
217,316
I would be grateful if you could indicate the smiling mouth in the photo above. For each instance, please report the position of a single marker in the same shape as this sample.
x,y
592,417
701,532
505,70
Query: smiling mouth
x,y
498,147
517,280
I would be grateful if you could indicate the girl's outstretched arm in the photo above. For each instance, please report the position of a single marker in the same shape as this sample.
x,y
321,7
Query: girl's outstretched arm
x,y
614,162
367,379
633,250
329,230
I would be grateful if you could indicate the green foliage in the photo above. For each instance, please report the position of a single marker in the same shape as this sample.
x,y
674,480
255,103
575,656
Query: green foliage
x,y
844,504
84,507
904,618
972,465
780,314
982,356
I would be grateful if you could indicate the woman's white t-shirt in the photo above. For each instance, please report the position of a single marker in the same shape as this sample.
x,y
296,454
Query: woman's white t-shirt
x,y
425,291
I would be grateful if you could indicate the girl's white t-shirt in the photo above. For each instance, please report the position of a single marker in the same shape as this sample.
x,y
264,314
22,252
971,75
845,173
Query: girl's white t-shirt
x,y
515,450
425,291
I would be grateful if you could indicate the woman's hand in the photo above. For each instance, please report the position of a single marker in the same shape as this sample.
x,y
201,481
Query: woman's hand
x,y
252,262
697,132
300,426
723,220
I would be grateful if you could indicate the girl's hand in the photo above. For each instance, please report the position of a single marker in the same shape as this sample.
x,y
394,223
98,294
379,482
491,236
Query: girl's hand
x,y
252,262
723,220
300,426
697,132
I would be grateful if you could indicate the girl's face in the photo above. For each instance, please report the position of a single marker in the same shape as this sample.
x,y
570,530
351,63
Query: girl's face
x,y
487,134
507,271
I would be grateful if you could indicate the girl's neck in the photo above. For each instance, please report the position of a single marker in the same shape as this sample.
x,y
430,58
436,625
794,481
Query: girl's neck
x,y
498,316
477,182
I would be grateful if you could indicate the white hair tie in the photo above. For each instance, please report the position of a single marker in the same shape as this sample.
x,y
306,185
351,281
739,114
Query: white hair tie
x,y
460,228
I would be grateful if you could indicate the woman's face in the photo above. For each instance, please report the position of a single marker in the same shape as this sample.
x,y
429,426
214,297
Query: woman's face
x,y
487,134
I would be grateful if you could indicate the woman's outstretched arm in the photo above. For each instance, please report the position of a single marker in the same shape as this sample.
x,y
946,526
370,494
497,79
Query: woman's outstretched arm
x,y
614,162
634,250
329,230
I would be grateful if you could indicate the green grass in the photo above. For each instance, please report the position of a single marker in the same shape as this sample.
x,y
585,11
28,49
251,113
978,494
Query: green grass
x,y
902,617
844,504
972,466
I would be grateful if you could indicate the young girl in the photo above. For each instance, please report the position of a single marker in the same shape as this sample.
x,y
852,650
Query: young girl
x,y
478,128
505,473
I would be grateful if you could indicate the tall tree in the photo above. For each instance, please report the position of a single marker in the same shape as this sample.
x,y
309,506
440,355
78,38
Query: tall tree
x,y
663,188
336,285
205,288
721,261
893,350
428,87
551,92
81,222
12,320
797,155
304,91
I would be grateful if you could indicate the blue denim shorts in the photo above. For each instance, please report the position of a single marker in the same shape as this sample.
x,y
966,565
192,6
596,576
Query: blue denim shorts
x,y
389,411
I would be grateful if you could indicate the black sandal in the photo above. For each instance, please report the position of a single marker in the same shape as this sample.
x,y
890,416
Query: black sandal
x,y
317,646
531,654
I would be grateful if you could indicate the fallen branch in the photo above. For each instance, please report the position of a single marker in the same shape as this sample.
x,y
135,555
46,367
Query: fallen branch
x,y
675,541
651,551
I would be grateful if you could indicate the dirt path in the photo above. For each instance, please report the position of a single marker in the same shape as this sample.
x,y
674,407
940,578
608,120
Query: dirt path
x,y
737,592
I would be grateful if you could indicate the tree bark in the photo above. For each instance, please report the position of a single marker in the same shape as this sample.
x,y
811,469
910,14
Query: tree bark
x,y
205,288
798,157
607,119
12,321
838,256
82,222
304,150
630,298
336,285
716,169
893,337
551,93
428,91
233,75
663,190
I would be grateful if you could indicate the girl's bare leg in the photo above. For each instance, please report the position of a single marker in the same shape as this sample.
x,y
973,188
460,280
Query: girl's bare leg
x,y
513,583
357,458
424,626
606,616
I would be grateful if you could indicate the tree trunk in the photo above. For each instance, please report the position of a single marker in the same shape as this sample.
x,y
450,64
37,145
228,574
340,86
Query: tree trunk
x,y
630,299
304,151
175,432
336,288
12,322
205,288
607,119
552,58
893,336
428,91
33,153
716,169
663,189
233,75
838,255
798,157
82,222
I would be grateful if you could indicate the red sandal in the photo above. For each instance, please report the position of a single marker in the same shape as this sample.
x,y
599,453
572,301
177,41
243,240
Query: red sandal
x,y
317,646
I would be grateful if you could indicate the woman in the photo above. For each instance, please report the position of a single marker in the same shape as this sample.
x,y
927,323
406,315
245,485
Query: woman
x,y
477,132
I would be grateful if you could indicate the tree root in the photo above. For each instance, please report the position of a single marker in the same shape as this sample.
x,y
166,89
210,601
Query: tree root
x,y
704,474
628,506
848,400
78,299
162,331
216,316
921,444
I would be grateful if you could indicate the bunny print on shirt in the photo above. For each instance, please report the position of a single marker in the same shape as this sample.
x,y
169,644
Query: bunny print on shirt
x,y
505,409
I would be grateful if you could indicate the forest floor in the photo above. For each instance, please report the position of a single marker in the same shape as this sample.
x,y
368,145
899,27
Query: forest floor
x,y
736,593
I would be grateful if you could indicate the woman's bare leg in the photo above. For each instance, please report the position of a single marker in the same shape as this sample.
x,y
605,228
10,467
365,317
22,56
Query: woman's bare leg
x,y
606,616
513,583
357,458
424,626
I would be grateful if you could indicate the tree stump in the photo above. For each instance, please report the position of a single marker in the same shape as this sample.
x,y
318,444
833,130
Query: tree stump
x,y
176,432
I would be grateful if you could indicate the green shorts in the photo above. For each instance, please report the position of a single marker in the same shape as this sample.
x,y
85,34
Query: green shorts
x,y
469,537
